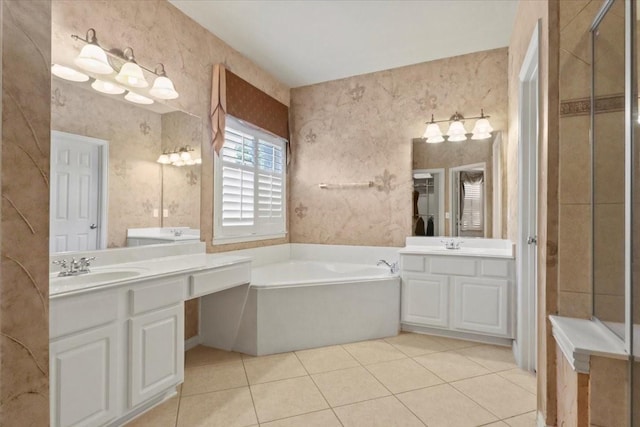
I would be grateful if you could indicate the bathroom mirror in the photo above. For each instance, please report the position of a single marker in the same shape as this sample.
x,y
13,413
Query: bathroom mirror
x,y
121,184
451,167
608,168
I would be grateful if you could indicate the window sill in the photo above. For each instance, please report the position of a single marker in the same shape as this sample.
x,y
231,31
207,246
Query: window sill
x,y
245,239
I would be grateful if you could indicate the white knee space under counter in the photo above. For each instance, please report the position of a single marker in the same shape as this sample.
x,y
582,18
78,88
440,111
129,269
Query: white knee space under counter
x,y
117,332
466,293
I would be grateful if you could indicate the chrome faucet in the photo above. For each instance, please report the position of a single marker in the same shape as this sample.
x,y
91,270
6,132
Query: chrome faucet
x,y
393,267
452,243
73,267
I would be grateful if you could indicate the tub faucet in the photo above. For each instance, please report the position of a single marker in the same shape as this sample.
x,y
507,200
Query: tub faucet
x,y
393,267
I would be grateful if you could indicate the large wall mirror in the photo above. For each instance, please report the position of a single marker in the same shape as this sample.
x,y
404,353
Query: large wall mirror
x,y
456,188
107,188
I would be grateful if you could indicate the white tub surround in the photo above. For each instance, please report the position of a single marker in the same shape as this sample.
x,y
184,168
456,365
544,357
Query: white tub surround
x,y
579,339
464,293
158,235
117,333
305,296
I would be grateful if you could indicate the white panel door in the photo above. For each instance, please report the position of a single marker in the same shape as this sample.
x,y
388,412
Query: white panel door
x,y
83,378
75,192
481,305
425,300
156,359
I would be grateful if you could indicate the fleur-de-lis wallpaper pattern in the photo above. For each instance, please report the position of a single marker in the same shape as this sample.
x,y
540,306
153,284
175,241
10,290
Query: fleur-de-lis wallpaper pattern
x,y
361,129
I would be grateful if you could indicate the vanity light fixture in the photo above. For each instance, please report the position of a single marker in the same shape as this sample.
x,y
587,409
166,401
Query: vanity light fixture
x,y
179,157
96,59
107,87
92,57
138,99
457,131
68,73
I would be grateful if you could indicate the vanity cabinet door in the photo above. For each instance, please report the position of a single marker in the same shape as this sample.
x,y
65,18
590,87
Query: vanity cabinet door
x,y
156,358
83,371
481,305
425,300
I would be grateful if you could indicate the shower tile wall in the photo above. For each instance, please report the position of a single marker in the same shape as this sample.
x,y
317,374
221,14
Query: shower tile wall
x,y
361,129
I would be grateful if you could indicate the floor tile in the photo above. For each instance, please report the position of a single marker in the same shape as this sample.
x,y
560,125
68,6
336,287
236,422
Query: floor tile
x,y
496,424
228,408
384,412
444,406
324,418
272,368
163,415
525,420
492,357
286,398
416,344
326,359
451,366
349,386
524,379
202,355
368,352
207,378
403,375
497,395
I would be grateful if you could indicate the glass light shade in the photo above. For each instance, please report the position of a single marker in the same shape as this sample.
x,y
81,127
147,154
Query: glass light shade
x,y
131,75
433,130
179,163
435,139
107,87
163,88
456,131
190,162
164,159
174,157
198,161
68,73
185,155
93,58
138,99
482,129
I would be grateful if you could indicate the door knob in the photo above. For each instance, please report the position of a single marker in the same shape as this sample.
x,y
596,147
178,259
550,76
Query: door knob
x,y
532,240
93,226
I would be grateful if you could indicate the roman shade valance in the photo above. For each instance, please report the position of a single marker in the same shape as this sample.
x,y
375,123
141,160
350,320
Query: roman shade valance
x,y
232,95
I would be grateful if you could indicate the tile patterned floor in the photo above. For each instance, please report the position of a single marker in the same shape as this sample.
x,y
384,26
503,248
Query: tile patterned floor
x,y
404,381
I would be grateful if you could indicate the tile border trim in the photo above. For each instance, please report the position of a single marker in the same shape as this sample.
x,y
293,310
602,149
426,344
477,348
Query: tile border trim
x,y
582,106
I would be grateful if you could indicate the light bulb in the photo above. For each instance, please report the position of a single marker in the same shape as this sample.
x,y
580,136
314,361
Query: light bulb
x,y
68,73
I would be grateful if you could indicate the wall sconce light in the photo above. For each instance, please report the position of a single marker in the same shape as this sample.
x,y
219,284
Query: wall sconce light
x,y
96,59
457,131
179,157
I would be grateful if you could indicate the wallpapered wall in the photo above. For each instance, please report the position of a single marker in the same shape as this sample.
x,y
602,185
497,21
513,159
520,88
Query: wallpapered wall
x,y
361,128
136,138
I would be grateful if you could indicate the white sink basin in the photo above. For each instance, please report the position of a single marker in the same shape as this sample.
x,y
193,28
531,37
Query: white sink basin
x,y
95,277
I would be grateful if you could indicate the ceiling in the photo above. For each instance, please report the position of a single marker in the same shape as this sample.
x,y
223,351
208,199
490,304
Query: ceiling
x,y
302,42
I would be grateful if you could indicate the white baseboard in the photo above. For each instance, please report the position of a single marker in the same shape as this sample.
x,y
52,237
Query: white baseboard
x,y
192,342
540,420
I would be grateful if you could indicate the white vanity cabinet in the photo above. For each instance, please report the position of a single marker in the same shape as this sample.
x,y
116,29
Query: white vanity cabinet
x,y
463,296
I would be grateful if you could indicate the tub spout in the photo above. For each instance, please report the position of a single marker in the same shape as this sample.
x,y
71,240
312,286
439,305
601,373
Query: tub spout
x,y
393,267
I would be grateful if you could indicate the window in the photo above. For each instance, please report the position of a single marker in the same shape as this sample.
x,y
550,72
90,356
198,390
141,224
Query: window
x,y
250,177
473,207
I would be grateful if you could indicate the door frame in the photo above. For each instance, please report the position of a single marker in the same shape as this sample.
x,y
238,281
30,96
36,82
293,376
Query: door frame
x,y
525,345
103,178
452,191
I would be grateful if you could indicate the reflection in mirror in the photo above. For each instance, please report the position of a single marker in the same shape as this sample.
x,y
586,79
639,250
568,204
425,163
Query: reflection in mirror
x,y
105,175
608,203
458,157
428,202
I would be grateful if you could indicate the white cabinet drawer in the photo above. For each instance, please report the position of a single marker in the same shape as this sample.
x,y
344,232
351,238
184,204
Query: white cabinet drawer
x,y
80,312
219,279
413,263
495,268
452,265
157,294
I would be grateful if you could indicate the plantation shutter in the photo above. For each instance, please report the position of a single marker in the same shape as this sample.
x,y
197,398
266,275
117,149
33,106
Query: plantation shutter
x,y
473,206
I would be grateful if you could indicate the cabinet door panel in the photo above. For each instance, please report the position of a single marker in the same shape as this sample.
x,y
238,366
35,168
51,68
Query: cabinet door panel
x,y
156,353
481,305
83,378
425,300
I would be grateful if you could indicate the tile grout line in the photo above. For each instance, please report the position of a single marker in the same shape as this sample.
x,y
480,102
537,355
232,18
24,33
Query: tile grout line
x,y
319,389
253,403
179,403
